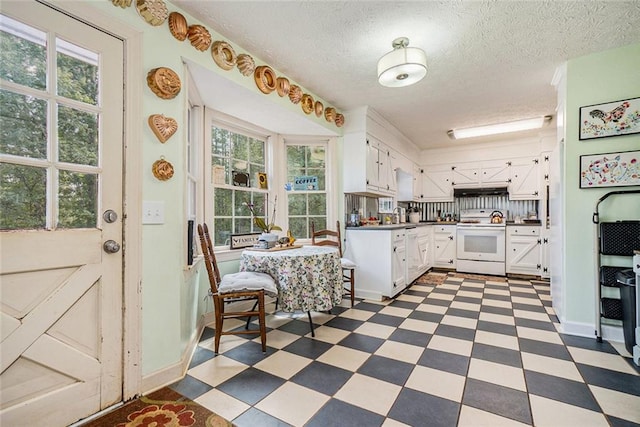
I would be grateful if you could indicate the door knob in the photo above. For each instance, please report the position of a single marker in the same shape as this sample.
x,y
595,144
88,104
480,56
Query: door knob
x,y
111,246
110,216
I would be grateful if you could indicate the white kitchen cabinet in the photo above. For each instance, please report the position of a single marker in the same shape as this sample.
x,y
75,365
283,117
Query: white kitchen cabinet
x,y
466,175
437,184
418,194
444,246
380,256
425,242
496,172
525,179
419,241
409,184
368,166
523,250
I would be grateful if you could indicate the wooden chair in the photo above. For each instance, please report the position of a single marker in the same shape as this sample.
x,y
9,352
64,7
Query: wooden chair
x,y
332,238
235,287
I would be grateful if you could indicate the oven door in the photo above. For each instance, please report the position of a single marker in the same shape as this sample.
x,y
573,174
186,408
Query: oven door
x,y
481,243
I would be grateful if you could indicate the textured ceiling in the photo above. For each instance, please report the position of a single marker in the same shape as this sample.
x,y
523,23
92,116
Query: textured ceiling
x,y
488,61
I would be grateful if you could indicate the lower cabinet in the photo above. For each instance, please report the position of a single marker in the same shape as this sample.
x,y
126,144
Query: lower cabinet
x,y
444,246
523,250
381,261
419,253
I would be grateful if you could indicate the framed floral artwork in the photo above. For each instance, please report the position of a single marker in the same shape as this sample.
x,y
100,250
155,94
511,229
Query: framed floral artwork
x,y
610,169
611,119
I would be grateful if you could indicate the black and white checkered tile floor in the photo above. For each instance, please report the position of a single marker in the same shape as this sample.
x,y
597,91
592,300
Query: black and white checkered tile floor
x,y
467,352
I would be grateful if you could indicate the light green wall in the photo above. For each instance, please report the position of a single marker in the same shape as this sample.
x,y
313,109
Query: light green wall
x,y
173,298
599,78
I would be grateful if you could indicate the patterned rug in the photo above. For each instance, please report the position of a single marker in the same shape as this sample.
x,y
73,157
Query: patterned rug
x,y
436,278
162,408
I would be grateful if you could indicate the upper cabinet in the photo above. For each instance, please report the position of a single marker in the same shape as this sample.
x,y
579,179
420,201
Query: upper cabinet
x,y
376,174
521,176
437,183
525,179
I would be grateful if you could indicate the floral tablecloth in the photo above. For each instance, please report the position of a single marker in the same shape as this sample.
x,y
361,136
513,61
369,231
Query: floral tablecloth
x,y
308,278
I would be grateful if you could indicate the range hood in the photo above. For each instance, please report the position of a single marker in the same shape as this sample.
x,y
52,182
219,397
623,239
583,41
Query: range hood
x,y
477,192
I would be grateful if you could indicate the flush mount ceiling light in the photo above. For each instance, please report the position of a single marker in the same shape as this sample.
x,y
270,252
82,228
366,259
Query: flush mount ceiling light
x,y
498,128
403,66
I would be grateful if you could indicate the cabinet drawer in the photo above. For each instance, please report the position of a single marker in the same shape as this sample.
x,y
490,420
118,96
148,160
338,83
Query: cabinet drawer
x,y
524,231
399,235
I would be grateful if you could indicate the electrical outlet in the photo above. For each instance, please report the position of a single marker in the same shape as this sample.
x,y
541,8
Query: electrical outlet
x,y
152,212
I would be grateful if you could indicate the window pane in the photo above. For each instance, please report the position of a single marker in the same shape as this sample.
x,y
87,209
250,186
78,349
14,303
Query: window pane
x,y
316,157
293,172
78,203
253,173
23,197
240,147
219,161
259,203
221,231
317,204
320,173
220,142
23,125
242,198
23,54
256,154
78,136
243,225
295,157
319,222
298,227
297,204
223,202
77,72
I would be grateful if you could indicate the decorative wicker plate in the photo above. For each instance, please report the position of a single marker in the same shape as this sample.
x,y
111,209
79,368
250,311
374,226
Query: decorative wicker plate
x,y
155,12
164,82
163,127
162,169
295,94
121,3
339,120
178,26
199,37
319,108
307,103
223,55
265,79
330,114
282,86
246,64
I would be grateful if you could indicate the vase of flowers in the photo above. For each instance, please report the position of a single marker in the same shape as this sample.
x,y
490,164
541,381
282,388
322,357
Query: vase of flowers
x,y
264,224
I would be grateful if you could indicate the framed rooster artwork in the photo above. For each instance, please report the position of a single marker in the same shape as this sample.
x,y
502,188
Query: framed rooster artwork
x,y
610,119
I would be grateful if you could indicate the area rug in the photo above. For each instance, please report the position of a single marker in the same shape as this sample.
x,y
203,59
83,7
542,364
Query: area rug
x,y
436,278
162,408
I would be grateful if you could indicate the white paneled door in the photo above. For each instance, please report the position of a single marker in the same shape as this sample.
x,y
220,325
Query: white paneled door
x,y
61,202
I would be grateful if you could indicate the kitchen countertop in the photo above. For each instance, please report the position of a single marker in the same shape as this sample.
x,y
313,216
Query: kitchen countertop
x,y
405,225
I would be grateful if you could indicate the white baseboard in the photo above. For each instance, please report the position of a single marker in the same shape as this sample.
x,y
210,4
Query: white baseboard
x,y
588,330
178,370
367,294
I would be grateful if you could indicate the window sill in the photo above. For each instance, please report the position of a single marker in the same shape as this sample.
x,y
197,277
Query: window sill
x,y
228,255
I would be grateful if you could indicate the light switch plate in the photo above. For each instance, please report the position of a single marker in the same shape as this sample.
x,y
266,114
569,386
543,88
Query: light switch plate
x,y
152,212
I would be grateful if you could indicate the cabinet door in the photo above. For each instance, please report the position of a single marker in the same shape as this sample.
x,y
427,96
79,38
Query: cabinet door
x,y
436,185
497,172
523,251
414,257
525,181
373,177
466,174
417,183
444,248
424,243
387,169
399,268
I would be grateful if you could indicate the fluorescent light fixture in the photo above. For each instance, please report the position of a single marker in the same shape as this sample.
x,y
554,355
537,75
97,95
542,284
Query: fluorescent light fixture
x,y
498,128
403,66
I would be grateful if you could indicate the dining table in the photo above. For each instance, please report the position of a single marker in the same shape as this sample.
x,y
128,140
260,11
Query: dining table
x,y
309,278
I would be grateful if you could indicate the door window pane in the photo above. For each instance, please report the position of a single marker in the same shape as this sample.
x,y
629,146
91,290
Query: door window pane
x,y
23,125
23,54
23,197
78,195
77,136
77,72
